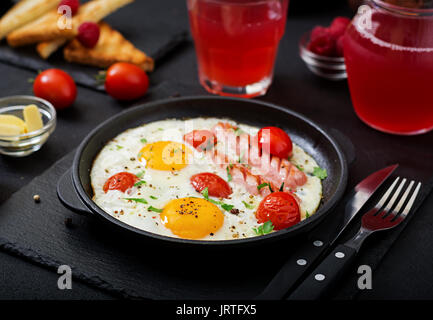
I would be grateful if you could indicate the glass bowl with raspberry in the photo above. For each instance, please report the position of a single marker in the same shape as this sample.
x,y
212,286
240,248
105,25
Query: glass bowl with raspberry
x,y
322,49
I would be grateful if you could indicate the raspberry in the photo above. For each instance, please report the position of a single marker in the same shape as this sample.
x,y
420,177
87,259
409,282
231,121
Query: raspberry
x,y
73,4
317,32
338,26
88,34
339,47
322,44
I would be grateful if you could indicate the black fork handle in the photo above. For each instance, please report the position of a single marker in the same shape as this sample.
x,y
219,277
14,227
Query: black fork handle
x,y
294,269
326,275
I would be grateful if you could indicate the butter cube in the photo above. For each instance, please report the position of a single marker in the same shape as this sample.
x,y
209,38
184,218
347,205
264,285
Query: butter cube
x,y
32,118
11,119
7,129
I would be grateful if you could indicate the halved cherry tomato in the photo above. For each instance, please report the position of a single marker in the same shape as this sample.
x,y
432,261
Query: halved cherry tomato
x,y
126,81
57,87
281,208
200,139
276,140
217,187
121,181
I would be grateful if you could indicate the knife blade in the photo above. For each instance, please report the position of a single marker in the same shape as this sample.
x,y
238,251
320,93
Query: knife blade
x,y
308,253
360,195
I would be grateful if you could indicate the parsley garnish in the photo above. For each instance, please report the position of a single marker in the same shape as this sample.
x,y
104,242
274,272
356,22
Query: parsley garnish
x,y
247,205
139,183
320,173
153,197
119,147
140,200
229,176
307,215
223,205
260,186
265,184
263,229
154,209
143,140
299,167
140,174
214,201
205,193
226,207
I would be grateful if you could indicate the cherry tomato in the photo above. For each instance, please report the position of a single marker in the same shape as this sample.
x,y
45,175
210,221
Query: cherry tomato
x,y
281,208
276,140
217,187
126,81
121,181
200,139
57,87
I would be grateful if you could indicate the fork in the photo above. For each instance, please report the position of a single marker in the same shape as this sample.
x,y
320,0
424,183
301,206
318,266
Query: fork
x,y
383,216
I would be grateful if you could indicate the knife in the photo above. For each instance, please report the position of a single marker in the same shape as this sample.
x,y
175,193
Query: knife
x,y
308,253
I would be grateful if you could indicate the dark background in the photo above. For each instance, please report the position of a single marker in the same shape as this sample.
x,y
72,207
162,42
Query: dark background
x,y
406,271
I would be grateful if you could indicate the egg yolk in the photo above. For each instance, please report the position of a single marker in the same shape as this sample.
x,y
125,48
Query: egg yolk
x,y
192,218
165,155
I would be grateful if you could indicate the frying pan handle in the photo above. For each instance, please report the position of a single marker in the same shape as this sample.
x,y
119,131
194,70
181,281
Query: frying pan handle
x,y
68,196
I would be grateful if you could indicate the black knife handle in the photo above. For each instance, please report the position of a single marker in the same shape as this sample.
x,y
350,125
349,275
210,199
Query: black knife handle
x,y
294,269
325,275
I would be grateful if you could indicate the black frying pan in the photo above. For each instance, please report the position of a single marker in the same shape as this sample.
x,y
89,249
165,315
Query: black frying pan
x,y
75,191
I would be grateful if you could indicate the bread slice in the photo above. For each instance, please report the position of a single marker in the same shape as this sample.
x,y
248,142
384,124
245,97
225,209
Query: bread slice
x,y
46,27
24,12
42,29
96,10
112,47
93,11
47,48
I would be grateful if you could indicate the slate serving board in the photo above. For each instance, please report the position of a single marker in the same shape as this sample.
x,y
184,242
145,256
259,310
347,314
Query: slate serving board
x,y
140,269
137,22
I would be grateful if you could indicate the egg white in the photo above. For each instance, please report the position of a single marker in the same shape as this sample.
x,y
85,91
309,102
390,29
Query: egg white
x,y
121,154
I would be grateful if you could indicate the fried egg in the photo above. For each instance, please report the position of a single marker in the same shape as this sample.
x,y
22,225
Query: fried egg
x,y
164,202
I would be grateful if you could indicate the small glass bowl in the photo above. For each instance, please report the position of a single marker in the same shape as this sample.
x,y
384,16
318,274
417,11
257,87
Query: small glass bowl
x,y
26,143
332,68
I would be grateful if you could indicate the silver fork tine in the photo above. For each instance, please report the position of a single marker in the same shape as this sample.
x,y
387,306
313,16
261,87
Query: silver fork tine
x,y
411,201
386,195
394,197
400,204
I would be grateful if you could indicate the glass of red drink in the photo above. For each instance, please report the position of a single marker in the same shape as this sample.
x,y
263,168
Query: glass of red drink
x,y
236,43
388,51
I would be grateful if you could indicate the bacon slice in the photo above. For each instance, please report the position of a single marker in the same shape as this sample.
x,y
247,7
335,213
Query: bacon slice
x,y
239,153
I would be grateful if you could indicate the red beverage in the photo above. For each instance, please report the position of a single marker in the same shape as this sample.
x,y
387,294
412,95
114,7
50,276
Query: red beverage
x,y
389,61
236,43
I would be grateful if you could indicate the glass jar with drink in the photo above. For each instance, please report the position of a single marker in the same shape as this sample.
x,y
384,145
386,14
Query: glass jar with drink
x,y
236,43
388,50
